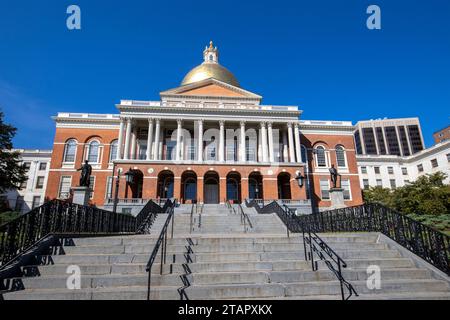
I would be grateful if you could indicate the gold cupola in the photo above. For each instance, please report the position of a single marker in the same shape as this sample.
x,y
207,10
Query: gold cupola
x,y
210,68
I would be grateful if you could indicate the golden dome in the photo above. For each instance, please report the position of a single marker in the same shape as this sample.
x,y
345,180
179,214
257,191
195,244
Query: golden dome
x,y
210,68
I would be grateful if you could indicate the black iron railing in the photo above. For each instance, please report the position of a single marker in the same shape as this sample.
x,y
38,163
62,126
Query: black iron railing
x,y
67,219
161,243
244,218
315,246
431,245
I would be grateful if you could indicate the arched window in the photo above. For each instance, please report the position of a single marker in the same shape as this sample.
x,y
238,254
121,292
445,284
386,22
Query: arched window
x,y
113,151
321,158
304,154
340,157
93,152
70,151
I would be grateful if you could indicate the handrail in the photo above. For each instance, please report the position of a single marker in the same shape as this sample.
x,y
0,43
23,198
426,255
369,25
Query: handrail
x,y
295,225
319,247
191,225
245,216
431,245
63,218
162,241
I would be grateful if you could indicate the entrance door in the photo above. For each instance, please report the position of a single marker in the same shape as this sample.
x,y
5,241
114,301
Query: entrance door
x,y
211,193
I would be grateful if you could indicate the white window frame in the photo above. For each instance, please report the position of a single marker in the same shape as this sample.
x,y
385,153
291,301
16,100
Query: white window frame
x,y
65,153
88,150
60,186
109,187
33,203
316,158
363,170
349,189
376,182
390,168
364,186
43,183
92,187
321,191
345,156
110,160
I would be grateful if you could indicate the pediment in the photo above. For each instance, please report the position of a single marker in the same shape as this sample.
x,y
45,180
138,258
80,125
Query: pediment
x,y
211,88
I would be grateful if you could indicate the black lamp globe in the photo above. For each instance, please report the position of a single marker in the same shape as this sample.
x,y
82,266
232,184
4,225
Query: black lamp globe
x,y
300,179
129,176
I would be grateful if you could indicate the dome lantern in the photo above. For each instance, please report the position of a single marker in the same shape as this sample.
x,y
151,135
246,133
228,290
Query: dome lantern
x,y
210,68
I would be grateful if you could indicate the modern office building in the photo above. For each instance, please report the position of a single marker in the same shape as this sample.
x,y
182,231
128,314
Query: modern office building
x,y
400,137
391,171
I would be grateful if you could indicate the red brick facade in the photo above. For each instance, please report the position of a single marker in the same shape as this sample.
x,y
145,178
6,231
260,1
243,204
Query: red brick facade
x,y
151,170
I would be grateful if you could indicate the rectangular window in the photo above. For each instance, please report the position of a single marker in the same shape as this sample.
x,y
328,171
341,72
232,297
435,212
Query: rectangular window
x,y
369,141
404,140
64,187
366,184
434,163
379,183
390,170
415,138
392,182
23,185
405,171
358,143
406,182
392,141
377,170
42,166
36,202
40,182
420,167
448,157
91,186
363,169
345,184
19,204
380,139
325,189
109,193
26,166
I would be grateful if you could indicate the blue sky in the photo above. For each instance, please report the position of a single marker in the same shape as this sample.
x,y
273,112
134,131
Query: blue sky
x,y
315,54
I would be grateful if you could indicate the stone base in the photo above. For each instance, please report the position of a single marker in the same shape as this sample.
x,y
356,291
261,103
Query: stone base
x,y
337,198
81,195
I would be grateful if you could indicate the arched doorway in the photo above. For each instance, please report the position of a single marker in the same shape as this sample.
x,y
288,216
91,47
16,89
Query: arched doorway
x,y
284,185
135,186
211,187
255,186
165,184
234,187
189,187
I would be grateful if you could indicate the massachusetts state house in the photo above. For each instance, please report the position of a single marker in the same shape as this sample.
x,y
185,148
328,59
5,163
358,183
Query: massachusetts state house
x,y
208,140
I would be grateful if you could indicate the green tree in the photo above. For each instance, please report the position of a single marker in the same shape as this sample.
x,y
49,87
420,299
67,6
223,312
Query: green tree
x,y
12,173
428,195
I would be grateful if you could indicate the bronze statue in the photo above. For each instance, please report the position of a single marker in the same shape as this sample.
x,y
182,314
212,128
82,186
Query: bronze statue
x,y
334,175
86,171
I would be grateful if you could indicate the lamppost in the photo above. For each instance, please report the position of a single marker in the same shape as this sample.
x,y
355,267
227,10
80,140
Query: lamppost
x,y
129,178
300,179
116,195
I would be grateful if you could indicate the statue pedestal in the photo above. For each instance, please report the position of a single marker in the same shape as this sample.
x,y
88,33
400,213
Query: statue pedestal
x,y
81,195
337,198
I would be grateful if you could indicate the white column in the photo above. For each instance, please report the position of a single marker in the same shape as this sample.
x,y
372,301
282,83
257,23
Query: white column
x,y
200,140
178,147
259,146
270,134
133,143
291,143
298,151
126,152
120,142
242,144
285,146
157,135
149,139
264,142
221,141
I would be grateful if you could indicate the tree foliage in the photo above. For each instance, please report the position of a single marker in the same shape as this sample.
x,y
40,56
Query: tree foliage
x,y
12,173
428,195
